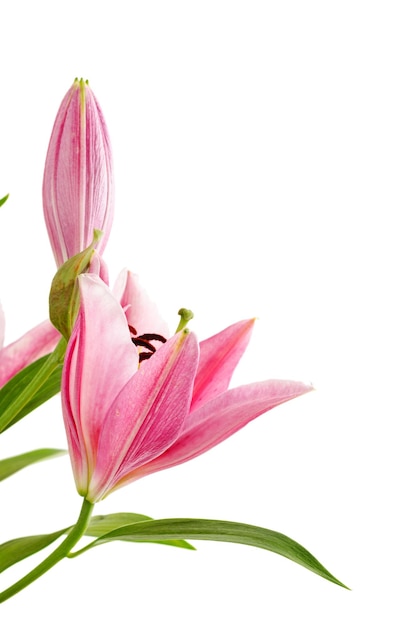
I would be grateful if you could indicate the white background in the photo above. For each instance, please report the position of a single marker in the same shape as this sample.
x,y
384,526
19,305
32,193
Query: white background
x,y
265,158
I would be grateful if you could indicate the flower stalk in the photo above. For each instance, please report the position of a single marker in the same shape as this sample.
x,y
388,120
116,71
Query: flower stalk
x,y
57,555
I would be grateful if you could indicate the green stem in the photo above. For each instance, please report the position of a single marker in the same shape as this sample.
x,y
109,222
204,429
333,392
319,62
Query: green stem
x,y
55,359
60,553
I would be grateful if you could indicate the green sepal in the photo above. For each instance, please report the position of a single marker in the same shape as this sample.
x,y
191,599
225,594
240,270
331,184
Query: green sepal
x,y
3,200
215,530
64,291
13,464
15,388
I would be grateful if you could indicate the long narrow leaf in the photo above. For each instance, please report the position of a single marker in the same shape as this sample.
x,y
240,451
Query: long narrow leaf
x,y
14,387
103,524
215,530
18,549
3,200
15,463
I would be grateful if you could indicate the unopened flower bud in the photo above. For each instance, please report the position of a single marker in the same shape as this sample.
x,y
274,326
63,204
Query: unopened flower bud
x,y
78,178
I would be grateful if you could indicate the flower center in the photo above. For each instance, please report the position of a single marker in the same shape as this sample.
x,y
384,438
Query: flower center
x,y
145,341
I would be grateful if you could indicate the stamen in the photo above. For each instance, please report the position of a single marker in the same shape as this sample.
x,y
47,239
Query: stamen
x,y
153,337
137,341
144,341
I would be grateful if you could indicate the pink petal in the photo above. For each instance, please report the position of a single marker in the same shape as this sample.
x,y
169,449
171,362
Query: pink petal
x,y
99,267
142,314
31,346
100,360
148,414
219,356
70,411
222,417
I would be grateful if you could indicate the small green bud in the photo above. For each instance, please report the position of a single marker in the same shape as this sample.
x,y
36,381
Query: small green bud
x,y
64,291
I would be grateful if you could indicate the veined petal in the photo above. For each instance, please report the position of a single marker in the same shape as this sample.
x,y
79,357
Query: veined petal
x,y
100,359
222,417
219,355
148,414
142,314
31,346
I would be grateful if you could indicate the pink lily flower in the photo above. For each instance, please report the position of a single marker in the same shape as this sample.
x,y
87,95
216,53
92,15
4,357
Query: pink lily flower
x,y
78,180
31,346
135,402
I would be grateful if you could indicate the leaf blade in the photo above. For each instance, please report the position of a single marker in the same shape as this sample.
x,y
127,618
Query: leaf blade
x,y
13,388
217,530
16,550
103,524
14,464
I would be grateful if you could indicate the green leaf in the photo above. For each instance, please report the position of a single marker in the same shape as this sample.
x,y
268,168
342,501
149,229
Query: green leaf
x,y
16,550
15,463
103,524
214,530
17,385
3,200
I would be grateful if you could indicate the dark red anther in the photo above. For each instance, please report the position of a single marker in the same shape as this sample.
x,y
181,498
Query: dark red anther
x,y
153,337
137,341
144,341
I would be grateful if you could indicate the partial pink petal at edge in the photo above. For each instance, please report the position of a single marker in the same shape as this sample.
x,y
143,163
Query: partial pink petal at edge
x,y
31,346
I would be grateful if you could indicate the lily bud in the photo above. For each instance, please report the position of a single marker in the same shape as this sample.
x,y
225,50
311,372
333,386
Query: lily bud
x,y
78,179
